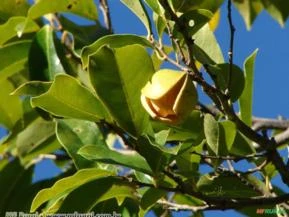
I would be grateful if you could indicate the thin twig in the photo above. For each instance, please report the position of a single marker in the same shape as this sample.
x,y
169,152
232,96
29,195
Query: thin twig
x,y
106,14
235,158
180,207
232,36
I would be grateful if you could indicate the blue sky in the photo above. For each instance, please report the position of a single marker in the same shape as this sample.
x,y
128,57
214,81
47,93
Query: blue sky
x,y
271,71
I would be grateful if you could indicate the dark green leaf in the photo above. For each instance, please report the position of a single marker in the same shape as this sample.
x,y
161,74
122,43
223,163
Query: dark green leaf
x,y
278,9
44,60
66,185
113,41
246,99
241,146
118,77
237,83
188,5
102,153
74,134
68,98
85,8
137,7
14,179
149,199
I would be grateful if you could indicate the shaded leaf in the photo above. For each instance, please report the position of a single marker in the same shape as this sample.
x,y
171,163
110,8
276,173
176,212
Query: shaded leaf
x,y
74,134
118,77
137,7
149,199
241,146
32,88
45,60
102,153
278,9
113,41
85,8
68,98
246,99
211,129
66,185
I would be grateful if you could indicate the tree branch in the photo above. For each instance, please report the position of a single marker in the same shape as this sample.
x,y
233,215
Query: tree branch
x,y
266,123
103,5
232,36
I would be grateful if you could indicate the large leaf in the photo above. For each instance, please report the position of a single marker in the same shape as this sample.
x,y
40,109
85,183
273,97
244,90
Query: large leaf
x,y
113,41
246,99
241,146
45,56
208,49
13,58
211,129
28,139
137,7
14,179
74,134
249,10
16,26
278,9
66,185
103,154
221,185
85,8
10,8
68,98
10,106
95,192
118,77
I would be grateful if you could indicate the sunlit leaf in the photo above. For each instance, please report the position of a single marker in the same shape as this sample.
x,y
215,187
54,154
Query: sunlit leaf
x,y
66,185
137,7
68,98
85,8
246,99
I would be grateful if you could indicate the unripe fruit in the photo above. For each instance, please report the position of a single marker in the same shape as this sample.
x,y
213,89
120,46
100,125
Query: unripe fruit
x,y
170,96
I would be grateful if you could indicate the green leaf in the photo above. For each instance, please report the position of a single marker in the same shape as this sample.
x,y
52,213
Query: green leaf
x,y
153,154
228,132
32,88
74,134
16,26
221,186
84,8
154,5
45,60
66,185
149,199
249,10
10,8
211,129
113,41
208,46
28,139
188,5
68,98
241,146
10,106
96,191
237,83
246,99
195,20
102,153
118,77
13,58
278,9
137,7
14,179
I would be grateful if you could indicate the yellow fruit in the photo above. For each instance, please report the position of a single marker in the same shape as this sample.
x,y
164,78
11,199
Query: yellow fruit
x,y
170,96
